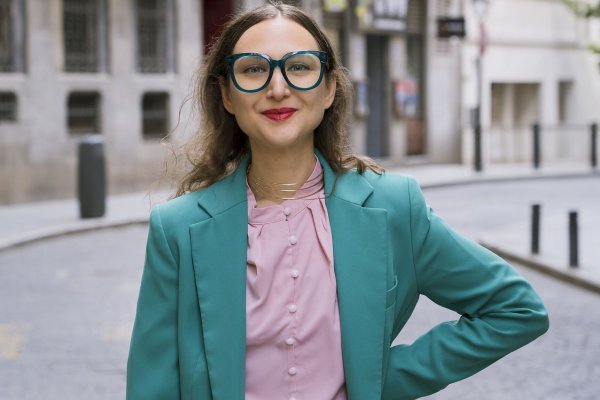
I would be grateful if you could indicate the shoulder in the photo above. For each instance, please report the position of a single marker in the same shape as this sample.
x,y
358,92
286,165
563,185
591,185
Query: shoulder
x,y
390,186
389,191
179,211
388,180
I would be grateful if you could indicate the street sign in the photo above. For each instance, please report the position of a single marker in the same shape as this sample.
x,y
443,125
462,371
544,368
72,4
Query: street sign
x,y
381,16
448,27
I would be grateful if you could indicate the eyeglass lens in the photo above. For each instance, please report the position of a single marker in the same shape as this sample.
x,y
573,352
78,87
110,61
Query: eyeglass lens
x,y
302,71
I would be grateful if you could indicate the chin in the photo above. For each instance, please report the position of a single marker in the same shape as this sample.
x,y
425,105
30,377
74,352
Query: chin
x,y
283,140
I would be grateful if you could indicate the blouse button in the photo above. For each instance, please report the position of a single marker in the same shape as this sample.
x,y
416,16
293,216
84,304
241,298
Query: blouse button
x,y
293,239
290,341
292,371
295,273
292,398
287,211
292,308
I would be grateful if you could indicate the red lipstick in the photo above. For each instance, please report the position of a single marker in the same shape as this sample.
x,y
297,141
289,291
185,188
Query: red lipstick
x,y
279,114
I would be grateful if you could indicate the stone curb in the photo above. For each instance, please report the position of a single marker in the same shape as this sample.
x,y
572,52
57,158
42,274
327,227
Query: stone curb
x,y
67,229
502,179
572,276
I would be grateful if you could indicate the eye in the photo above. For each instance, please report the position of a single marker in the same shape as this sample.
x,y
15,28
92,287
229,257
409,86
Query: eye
x,y
298,67
253,69
251,65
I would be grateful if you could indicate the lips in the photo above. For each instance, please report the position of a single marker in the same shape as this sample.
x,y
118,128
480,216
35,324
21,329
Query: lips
x,y
279,114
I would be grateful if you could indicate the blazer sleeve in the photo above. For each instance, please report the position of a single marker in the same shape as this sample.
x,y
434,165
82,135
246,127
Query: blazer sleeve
x,y
500,311
152,367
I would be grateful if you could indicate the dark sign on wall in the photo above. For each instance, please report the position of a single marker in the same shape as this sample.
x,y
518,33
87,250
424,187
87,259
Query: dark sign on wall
x,y
448,27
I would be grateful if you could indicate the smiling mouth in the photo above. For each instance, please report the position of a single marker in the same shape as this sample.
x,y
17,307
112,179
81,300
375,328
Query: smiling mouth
x,y
279,114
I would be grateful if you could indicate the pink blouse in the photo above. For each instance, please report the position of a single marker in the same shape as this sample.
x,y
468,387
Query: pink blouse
x,y
293,342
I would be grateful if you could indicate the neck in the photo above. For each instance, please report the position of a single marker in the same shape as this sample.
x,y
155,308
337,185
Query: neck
x,y
281,167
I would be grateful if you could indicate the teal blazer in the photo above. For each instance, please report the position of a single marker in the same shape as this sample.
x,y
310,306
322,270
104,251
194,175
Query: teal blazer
x,y
189,334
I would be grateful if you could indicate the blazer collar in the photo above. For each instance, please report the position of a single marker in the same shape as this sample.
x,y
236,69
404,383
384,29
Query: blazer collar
x,y
350,187
226,193
231,190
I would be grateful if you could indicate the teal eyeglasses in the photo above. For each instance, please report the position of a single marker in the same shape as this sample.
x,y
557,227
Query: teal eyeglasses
x,y
252,72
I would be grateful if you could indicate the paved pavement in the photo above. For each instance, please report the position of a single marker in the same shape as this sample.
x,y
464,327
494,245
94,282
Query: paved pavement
x,y
30,222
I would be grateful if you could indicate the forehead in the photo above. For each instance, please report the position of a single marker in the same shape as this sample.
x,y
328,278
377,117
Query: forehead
x,y
275,37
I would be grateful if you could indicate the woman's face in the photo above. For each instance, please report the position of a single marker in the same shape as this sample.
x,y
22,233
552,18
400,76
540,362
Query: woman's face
x,y
278,117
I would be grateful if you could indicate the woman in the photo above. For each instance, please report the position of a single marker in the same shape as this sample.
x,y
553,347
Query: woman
x,y
285,267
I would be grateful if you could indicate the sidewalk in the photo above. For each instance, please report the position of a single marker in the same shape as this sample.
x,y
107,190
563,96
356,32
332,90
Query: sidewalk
x,y
26,223
29,222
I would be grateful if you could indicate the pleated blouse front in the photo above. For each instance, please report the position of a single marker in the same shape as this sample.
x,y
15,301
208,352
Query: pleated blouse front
x,y
293,342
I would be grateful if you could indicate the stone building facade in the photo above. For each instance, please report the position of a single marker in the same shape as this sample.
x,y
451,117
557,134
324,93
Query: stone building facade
x,y
69,68
122,69
537,68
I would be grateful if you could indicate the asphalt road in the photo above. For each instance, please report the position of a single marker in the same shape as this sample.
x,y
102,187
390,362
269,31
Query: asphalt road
x,y
67,306
66,315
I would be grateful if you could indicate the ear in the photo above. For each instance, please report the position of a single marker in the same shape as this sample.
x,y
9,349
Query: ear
x,y
226,96
330,86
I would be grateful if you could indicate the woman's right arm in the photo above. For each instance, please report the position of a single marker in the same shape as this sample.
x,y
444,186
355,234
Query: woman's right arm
x,y
152,368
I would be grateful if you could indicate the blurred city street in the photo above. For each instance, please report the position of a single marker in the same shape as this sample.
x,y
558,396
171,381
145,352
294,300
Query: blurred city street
x,y
68,303
491,105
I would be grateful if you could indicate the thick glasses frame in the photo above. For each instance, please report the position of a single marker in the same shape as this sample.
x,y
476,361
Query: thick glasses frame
x,y
274,64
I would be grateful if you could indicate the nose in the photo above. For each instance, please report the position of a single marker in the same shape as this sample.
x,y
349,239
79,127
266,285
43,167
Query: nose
x,y
278,88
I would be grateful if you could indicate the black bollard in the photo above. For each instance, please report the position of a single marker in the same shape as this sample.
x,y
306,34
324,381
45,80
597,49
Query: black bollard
x,y
594,144
476,121
573,240
536,145
535,229
478,163
91,177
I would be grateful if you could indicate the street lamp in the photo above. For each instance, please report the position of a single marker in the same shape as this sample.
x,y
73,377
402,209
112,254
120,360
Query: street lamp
x,y
480,8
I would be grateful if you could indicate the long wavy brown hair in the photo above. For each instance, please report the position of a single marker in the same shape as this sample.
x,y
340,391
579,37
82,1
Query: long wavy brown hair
x,y
219,145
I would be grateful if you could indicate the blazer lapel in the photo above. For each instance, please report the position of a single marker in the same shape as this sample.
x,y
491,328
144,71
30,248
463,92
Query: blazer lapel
x,y
219,260
360,256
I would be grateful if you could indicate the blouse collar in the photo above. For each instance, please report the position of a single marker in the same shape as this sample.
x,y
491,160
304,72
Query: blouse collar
x,y
287,208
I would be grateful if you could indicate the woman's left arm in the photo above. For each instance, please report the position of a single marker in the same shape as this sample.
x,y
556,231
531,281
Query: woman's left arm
x,y
499,309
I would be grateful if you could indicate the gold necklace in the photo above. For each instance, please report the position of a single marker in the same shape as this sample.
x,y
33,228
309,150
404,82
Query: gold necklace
x,y
282,191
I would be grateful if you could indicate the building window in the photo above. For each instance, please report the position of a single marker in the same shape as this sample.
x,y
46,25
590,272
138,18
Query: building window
x,y
84,33
12,34
155,115
8,107
565,94
155,36
83,113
